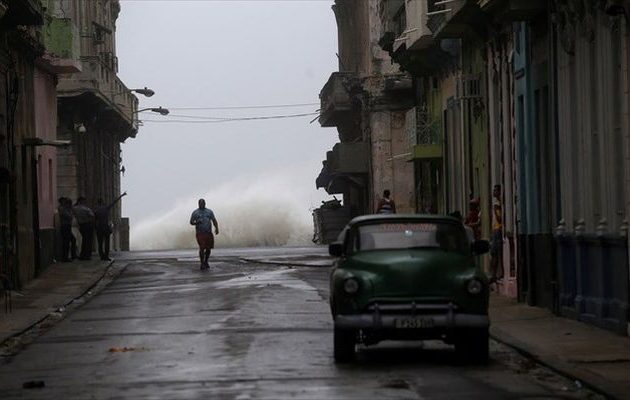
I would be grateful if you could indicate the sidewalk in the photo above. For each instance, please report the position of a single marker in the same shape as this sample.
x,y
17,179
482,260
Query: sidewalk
x,y
595,357
54,289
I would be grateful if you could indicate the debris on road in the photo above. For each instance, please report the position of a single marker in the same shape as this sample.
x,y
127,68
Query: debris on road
x,y
33,385
126,349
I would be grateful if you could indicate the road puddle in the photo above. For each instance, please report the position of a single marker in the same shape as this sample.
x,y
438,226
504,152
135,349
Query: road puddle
x,y
281,277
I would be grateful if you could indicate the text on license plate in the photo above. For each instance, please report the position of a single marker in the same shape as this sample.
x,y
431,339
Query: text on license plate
x,y
413,323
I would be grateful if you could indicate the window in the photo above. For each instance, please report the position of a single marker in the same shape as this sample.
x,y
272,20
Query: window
x,y
428,235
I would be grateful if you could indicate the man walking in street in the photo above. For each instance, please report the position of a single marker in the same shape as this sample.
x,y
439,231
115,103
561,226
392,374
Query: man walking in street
x,y
496,240
103,226
85,218
68,241
203,218
386,205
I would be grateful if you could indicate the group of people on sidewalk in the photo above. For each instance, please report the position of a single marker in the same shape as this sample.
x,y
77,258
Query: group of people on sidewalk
x,y
386,205
90,221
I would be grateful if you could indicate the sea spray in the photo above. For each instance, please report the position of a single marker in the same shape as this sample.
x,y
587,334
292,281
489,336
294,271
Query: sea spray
x,y
271,210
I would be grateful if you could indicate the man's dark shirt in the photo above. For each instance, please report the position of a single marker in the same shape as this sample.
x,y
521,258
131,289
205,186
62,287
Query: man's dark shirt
x,y
65,216
102,217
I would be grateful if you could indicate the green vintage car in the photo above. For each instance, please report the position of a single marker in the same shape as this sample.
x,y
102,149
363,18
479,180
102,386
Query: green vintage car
x,y
408,277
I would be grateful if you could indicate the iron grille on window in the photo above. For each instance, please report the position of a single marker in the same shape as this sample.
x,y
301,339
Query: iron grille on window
x,y
469,87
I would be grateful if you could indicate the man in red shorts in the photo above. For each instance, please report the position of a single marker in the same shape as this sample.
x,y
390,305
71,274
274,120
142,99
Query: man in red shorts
x,y
203,218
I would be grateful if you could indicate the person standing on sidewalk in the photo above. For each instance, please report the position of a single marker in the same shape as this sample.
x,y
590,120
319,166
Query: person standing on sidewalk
x,y
203,218
496,240
85,219
103,226
473,218
68,241
386,205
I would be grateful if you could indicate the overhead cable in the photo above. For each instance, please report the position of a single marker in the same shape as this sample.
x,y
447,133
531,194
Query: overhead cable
x,y
246,107
219,120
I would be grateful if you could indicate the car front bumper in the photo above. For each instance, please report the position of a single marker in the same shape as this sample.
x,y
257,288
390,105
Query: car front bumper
x,y
371,321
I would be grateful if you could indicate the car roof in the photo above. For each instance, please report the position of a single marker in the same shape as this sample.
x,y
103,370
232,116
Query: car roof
x,y
402,217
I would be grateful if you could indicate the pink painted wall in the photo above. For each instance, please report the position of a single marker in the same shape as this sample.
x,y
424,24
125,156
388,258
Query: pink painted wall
x,y
46,128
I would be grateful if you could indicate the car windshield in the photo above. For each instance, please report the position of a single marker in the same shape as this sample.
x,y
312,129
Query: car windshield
x,y
412,235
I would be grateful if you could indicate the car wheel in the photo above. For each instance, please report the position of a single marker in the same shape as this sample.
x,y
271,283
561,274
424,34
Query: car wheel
x,y
344,342
473,345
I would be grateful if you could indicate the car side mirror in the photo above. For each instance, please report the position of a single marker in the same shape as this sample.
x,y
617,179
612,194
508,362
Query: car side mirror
x,y
480,247
335,249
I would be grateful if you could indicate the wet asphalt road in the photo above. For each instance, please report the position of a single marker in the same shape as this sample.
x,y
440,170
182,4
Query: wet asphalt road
x,y
165,330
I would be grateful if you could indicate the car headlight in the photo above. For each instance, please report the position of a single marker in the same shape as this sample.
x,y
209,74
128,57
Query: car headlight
x,y
475,286
351,286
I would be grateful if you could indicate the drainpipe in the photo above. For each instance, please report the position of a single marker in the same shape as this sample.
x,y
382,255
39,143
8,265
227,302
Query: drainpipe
x,y
37,253
553,66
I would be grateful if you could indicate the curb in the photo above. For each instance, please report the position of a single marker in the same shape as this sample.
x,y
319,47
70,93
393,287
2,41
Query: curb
x,y
557,365
65,305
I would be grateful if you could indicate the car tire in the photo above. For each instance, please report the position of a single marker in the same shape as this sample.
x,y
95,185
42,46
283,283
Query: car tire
x,y
473,346
344,343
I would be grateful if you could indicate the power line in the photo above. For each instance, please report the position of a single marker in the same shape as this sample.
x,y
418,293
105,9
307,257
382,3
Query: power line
x,y
231,1
246,107
220,120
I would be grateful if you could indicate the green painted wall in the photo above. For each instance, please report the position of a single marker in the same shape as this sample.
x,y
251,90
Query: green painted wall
x,y
61,38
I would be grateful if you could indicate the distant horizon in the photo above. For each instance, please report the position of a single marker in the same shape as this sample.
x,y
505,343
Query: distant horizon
x,y
281,55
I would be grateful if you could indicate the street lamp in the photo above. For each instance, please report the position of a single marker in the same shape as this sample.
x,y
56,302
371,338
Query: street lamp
x,y
145,91
159,110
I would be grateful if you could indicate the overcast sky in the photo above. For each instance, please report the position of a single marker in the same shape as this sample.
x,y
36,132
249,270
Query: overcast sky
x,y
222,54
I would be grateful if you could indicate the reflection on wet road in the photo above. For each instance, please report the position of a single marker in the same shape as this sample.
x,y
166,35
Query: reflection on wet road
x,y
165,330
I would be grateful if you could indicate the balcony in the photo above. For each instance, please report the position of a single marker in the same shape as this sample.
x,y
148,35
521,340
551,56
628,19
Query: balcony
x,y
63,46
392,92
415,35
513,10
346,165
99,80
453,19
336,98
348,158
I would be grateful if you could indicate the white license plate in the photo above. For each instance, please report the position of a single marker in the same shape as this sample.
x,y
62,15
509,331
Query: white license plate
x,y
413,323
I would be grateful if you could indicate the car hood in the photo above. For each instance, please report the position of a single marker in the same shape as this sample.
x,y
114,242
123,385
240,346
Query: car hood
x,y
413,273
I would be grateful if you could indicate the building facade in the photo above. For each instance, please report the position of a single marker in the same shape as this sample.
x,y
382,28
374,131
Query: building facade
x,y
28,140
367,101
531,96
58,73
96,111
